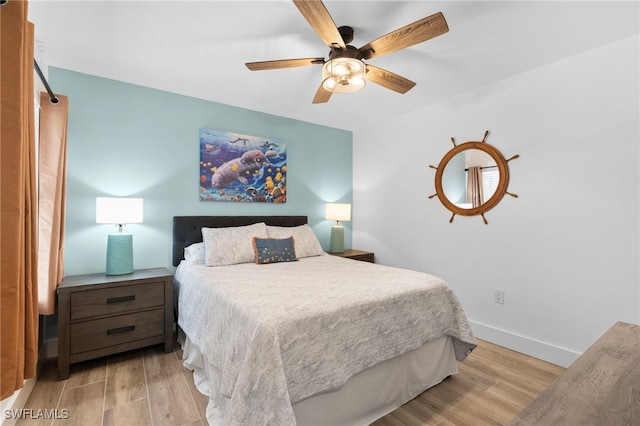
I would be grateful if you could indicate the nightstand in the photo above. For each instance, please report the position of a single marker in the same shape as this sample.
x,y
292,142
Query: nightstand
x,y
365,256
101,315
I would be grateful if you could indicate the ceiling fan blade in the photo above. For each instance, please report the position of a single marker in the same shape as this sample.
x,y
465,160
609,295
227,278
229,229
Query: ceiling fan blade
x,y
388,79
321,21
322,95
409,35
283,63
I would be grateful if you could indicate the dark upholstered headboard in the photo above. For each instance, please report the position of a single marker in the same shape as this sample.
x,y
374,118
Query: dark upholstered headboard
x,y
187,229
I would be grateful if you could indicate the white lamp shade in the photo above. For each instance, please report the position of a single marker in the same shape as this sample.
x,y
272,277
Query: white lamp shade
x,y
338,211
118,210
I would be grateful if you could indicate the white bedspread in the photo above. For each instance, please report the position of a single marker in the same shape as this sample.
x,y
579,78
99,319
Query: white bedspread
x,y
283,332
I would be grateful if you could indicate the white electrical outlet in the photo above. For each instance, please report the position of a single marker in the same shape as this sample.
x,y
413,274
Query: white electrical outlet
x,y
498,296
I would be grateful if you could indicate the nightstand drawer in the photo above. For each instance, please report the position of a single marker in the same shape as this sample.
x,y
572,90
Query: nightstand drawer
x,y
114,300
101,333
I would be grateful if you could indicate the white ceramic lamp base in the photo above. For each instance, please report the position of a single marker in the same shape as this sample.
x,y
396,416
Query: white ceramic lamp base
x,y
336,245
119,254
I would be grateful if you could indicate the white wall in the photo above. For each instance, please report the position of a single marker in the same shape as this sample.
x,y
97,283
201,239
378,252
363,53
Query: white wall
x,y
566,251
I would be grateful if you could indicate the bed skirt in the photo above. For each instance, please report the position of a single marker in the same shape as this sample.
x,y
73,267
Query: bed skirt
x,y
364,398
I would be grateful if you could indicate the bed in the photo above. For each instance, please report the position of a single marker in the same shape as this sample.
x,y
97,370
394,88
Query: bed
x,y
310,340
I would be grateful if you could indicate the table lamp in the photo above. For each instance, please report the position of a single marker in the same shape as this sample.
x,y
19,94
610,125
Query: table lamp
x,y
119,211
337,212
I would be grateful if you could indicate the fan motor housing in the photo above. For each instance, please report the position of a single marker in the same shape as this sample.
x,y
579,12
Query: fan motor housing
x,y
346,33
348,52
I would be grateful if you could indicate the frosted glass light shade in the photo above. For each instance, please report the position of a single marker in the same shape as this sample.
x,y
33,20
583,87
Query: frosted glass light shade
x,y
343,75
118,211
338,211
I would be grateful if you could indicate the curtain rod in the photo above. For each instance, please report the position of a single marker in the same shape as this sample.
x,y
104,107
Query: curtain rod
x,y
52,97
466,169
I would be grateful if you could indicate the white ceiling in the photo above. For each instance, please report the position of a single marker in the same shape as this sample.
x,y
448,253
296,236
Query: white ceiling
x,y
198,48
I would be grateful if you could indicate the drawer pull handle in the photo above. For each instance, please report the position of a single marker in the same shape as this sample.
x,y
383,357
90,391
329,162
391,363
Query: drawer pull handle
x,y
121,329
122,299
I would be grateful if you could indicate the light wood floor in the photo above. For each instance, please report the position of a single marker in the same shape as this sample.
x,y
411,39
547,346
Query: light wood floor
x,y
149,387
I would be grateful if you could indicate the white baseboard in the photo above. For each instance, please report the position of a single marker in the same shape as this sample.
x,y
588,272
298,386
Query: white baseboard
x,y
535,348
17,401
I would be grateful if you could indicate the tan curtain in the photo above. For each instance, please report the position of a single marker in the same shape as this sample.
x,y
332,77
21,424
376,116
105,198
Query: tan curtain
x,y
18,217
51,198
474,186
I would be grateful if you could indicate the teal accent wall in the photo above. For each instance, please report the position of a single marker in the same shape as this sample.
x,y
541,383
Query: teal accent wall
x,y
129,140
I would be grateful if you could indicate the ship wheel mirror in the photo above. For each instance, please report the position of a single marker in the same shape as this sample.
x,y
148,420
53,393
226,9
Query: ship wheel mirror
x,y
472,178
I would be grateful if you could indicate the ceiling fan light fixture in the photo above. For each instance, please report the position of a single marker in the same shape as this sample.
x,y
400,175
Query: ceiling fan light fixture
x,y
343,75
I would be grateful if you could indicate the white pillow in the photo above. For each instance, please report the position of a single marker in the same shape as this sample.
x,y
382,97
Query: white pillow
x,y
228,246
306,241
195,250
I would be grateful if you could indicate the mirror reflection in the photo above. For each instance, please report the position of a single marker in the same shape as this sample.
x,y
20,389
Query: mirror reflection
x,y
470,178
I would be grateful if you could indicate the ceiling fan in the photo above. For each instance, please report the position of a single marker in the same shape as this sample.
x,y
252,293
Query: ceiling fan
x,y
345,71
